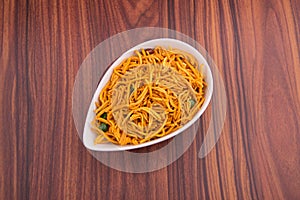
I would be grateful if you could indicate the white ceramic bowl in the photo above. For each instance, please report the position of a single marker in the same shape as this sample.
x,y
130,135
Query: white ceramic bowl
x,y
89,136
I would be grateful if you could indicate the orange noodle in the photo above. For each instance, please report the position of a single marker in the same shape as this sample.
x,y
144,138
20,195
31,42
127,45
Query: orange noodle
x,y
149,95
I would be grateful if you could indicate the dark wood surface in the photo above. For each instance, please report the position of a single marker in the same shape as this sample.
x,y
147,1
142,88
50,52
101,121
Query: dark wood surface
x,y
255,44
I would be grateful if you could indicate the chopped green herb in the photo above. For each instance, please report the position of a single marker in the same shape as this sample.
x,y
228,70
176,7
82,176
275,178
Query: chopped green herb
x,y
131,89
103,127
104,115
192,103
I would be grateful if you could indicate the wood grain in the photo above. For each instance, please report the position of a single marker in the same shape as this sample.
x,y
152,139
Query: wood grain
x,y
255,45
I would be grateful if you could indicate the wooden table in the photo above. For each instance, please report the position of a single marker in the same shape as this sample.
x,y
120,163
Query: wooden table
x,y
254,43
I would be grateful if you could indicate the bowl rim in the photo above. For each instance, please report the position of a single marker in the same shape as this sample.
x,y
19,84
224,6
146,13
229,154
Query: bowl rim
x,y
106,76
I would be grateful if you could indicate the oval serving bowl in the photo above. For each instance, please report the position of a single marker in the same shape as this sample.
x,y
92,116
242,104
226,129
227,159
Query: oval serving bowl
x,y
89,136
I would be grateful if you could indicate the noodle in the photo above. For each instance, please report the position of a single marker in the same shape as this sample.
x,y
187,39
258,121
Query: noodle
x,y
149,95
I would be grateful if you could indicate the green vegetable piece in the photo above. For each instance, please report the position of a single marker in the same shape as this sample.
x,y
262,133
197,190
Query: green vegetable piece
x,y
131,89
104,115
103,127
192,103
